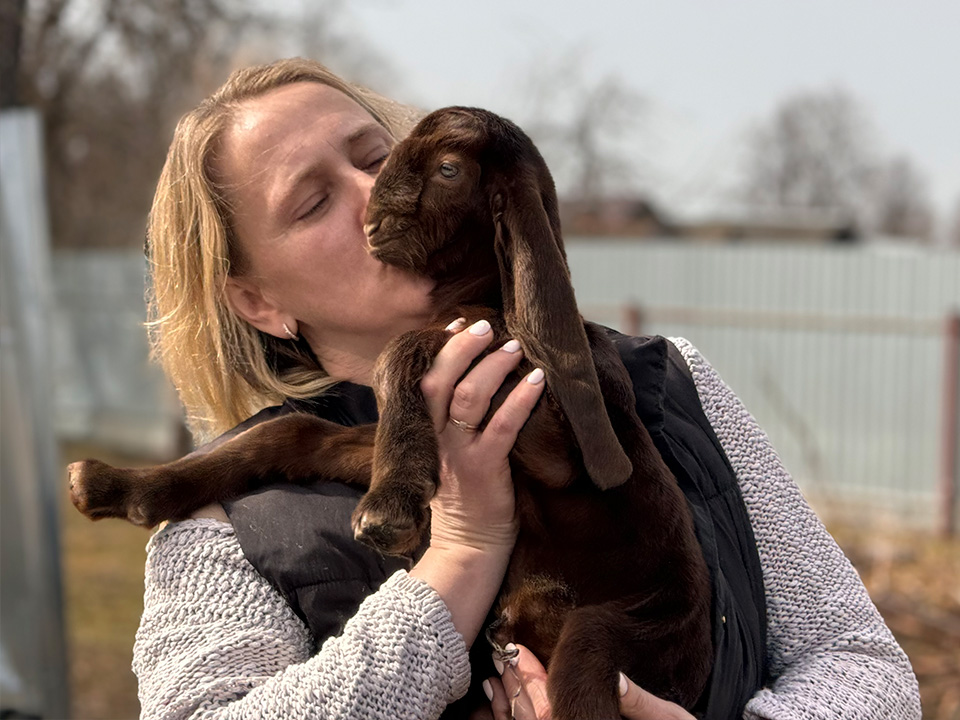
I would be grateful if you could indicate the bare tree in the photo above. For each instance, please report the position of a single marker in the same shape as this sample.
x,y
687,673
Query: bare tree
x,y
11,26
112,76
323,30
582,127
815,152
901,201
109,77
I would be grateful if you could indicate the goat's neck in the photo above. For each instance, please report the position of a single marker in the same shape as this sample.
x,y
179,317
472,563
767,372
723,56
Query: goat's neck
x,y
458,288
466,272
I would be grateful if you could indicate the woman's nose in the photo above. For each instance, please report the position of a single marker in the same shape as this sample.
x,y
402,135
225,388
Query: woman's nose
x,y
364,184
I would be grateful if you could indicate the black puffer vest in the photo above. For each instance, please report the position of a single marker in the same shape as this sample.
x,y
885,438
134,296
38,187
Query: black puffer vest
x,y
299,537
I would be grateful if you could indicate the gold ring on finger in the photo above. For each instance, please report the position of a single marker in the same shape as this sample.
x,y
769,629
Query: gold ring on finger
x,y
464,426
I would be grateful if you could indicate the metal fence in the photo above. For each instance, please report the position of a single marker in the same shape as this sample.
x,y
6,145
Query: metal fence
x,y
846,356
841,353
107,390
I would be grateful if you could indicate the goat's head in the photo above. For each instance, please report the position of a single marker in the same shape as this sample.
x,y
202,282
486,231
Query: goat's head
x,y
429,198
465,184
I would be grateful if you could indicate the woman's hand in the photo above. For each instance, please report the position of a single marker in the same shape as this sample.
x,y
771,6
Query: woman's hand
x,y
473,522
524,686
474,505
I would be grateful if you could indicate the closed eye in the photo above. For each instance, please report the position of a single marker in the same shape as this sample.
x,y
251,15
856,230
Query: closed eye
x,y
313,208
374,167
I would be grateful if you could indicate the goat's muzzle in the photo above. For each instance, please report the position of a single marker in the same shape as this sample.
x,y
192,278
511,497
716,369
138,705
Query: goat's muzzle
x,y
370,228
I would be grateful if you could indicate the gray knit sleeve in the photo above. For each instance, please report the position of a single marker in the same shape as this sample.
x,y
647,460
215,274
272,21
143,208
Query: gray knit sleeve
x,y
830,653
217,641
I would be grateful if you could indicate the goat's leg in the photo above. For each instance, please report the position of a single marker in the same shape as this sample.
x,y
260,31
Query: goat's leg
x,y
392,516
583,678
667,653
583,648
292,448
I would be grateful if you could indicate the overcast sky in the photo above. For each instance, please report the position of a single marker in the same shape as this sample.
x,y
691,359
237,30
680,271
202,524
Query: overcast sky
x,y
710,68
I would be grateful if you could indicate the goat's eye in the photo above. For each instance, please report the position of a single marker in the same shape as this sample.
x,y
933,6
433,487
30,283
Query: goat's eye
x,y
449,170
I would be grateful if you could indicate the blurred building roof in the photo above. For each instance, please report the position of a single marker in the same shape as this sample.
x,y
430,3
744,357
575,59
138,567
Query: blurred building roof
x,y
638,217
764,223
620,217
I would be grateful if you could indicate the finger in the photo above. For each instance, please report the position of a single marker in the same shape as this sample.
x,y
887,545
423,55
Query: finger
x,y
521,706
472,395
449,365
457,325
499,702
526,679
637,704
501,431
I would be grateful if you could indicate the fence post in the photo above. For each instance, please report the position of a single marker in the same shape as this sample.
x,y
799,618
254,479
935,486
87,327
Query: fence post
x,y
34,666
949,465
632,319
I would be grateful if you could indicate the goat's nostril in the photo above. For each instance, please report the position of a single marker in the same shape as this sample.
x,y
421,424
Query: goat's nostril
x,y
370,228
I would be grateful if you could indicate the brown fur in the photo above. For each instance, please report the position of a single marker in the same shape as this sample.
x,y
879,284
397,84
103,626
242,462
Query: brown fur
x,y
607,574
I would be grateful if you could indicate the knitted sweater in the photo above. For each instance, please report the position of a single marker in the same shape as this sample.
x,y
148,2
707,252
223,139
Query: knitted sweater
x,y
217,641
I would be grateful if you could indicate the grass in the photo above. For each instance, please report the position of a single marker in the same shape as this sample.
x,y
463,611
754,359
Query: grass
x,y
103,588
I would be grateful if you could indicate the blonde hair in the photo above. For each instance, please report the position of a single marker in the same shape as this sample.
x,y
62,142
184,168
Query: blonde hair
x,y
224,369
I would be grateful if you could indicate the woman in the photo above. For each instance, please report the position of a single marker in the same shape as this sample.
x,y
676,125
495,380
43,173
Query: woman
x,y
263,291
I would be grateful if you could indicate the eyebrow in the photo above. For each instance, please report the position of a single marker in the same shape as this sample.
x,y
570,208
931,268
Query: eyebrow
x,y
365,129
286,195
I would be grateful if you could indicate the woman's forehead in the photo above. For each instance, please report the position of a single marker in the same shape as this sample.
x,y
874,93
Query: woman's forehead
x,y
274,127
297,106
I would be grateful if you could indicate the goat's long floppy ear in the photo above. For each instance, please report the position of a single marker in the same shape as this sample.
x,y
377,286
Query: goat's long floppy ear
x,y
541,312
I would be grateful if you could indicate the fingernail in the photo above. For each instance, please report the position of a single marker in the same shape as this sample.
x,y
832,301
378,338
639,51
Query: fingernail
x,y
511,346
481,327
512,650
536,377
488,690
623,685
498,665
456,324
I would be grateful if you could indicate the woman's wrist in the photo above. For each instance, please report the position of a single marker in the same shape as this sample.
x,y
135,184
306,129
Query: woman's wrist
x,y
467,579
454,533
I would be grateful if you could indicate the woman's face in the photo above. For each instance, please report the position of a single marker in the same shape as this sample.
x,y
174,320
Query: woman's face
x,y
298,164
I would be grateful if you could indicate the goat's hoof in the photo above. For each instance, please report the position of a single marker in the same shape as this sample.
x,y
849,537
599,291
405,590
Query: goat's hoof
x,y
389,532
100,491
499,634
81,476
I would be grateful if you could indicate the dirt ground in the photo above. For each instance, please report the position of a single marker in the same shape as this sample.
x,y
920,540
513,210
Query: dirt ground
x,y
914,579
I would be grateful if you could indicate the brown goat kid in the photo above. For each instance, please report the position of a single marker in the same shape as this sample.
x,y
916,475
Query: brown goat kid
x,y
607,574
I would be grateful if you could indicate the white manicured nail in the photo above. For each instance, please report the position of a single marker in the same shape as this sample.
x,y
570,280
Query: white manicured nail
x,y
498,665
488,690
481,327
623,685
511,346
456,324
536,377
512,650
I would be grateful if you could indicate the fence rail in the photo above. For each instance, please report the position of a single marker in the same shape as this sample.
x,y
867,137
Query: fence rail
x,y
635,316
